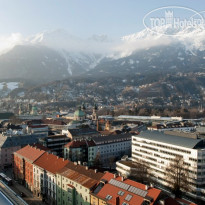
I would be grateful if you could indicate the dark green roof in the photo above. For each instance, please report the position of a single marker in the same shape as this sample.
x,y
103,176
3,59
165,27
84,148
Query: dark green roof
x,y
6,115
172,139
79,113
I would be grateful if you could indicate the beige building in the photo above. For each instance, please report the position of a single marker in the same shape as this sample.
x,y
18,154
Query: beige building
x,y
74,184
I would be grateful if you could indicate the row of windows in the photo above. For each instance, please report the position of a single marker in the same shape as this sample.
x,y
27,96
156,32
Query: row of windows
x,y
164,146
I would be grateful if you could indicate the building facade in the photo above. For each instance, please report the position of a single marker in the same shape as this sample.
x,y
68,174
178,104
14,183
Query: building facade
x,y
159,150
11,144
55,143
80,150
112,147
23,164
44,175
74,184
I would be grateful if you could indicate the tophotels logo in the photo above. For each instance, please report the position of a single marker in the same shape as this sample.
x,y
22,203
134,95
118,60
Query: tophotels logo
x,y
173,19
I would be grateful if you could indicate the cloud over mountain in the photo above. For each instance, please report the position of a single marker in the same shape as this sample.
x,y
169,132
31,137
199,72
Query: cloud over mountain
x,y
60,54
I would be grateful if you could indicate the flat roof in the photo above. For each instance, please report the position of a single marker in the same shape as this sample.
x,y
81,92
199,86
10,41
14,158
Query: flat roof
x,y
172,139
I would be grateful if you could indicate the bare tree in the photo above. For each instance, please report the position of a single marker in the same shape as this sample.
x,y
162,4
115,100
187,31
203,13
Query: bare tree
x,y
97,161
140,172
111,161
177,174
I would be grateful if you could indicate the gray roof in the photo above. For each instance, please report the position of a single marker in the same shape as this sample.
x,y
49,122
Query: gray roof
x,y
21,140
172,139
111,138
82,131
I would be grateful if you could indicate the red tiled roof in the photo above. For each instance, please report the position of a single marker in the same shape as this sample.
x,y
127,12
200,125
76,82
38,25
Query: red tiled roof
x,y
79,143
81,175
51,162
75,144
108,176
40,146
30,153
109,189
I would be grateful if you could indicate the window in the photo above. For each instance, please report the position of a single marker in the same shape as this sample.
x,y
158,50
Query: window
x,y
128,197
121,193
108,197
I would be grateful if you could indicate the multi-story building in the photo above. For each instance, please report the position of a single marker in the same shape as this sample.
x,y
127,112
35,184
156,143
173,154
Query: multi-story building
x,y
126,166
23,164
55,143
159,150
10,144
81,133
42,129
74,184
112,146
80,150
44,175
120,191
105,147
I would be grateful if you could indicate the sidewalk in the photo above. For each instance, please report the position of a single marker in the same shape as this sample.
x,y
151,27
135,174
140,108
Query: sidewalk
x,y
18,189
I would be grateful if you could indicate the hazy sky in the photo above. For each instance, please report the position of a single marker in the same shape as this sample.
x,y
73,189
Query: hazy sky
x,y
81,17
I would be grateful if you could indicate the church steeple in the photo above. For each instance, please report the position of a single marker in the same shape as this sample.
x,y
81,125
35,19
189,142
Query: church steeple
x,y
94,115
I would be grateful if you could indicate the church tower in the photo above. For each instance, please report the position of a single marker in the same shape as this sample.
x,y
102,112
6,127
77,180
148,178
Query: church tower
x,y
94,115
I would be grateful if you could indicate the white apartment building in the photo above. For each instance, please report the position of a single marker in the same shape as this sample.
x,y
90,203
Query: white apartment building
x,y
159,149
44,183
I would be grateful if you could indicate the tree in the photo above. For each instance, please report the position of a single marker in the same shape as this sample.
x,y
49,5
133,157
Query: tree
x,y
177,174
140,172
97,161
111,161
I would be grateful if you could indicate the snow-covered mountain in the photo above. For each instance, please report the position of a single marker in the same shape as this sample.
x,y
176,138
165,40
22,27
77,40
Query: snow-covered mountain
x,y
57,54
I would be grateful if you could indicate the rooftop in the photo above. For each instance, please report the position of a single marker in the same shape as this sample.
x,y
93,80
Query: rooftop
x,y
19,140
80,174
79,113
30,153
51,162
81,143
127,191
172,139
82,131
111,138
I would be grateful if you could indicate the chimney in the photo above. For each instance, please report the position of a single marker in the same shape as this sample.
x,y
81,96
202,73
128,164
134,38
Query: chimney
x,y
114,176
96,170
86,168
146,187
117,200
79,162
75,163
63,159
